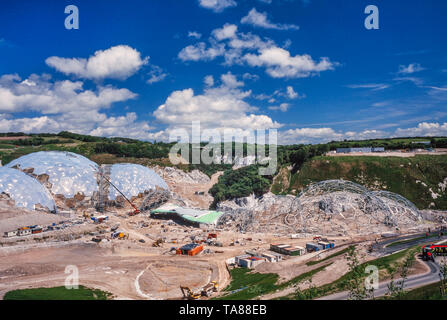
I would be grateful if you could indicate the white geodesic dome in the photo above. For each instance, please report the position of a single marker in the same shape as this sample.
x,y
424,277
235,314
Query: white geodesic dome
x,y
26,191
69,173
132,179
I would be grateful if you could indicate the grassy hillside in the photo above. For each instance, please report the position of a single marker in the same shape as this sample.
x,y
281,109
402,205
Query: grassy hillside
x,y
417,178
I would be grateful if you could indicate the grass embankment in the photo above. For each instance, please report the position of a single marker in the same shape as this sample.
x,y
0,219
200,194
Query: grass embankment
x,y
410,177
311,263
393,244
384,264
251,285
428,292
57,293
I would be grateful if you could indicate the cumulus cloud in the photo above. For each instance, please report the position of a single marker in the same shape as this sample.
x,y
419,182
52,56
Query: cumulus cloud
x,y
65,105
423,129
228,31
219,107
200,52
119,62
280,64
39,93
217,5
411,68
249,49
259,19
322,135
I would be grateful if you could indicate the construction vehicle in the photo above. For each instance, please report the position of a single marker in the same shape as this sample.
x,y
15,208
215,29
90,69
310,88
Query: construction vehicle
x,y
157,243
206,291
209,289
189,294
429,252
132,213
120,235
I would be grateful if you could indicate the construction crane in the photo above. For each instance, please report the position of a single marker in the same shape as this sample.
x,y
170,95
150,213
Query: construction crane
x,y
132,213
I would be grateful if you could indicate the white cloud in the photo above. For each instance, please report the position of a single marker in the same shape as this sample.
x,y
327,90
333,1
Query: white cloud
x,y
283,107
372,86
209,81
221,107
309,135
38,93
199,52
217,5
411,68
280,64
246,48
259,19
65,105
250,76
423,129
156,74
194,34
119,62
291,93
323,135
228,31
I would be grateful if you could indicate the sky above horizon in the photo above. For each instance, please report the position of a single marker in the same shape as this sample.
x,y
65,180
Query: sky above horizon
x,y
308,68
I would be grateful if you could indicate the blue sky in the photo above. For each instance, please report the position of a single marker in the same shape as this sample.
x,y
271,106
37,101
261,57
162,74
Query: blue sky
x,y
144,68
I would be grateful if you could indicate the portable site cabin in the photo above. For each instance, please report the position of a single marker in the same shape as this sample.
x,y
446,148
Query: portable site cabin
x,y
326,245
287,249
250,262
272,256
24,232
36,230
311,247
295,251
9,234
190,249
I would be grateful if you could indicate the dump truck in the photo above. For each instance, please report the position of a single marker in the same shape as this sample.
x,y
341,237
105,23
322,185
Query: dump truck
x,y
209,289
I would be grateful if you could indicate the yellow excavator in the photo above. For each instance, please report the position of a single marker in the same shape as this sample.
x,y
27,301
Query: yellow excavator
x,y
189,294
206,291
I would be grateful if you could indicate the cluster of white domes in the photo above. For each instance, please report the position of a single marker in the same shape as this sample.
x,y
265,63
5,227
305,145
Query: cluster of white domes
x,y
26,191
69,174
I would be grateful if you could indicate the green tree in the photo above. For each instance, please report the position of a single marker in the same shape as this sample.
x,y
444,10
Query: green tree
x,y
356,286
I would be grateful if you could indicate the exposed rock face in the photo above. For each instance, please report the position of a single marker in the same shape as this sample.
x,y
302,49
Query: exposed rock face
x,y
195,176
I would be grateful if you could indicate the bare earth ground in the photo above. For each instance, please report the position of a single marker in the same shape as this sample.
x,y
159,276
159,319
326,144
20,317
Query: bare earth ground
x,y
131,269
